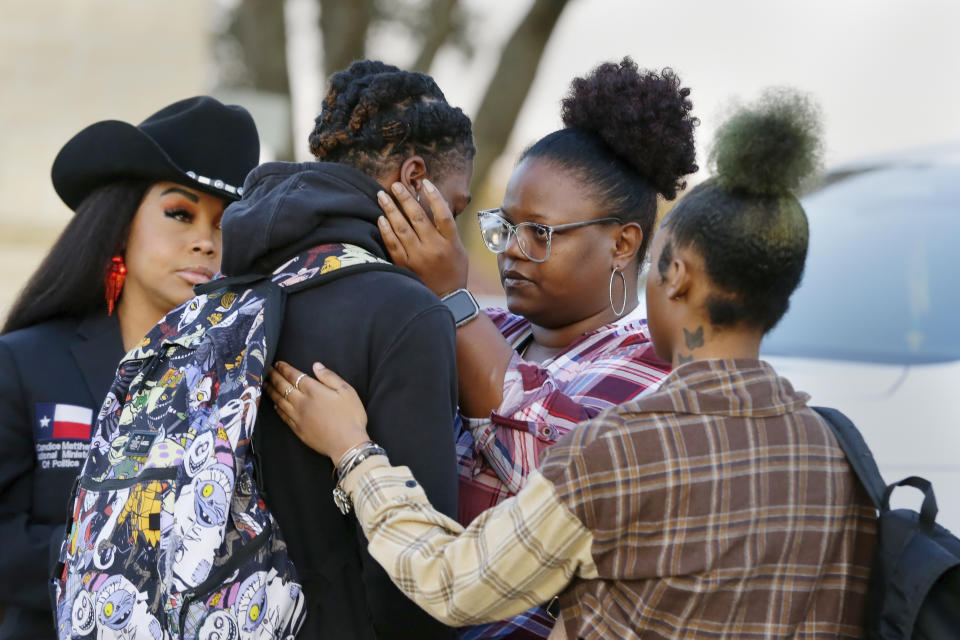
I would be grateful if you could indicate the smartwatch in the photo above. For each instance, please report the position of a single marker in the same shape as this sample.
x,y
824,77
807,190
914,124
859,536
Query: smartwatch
x,y
462,305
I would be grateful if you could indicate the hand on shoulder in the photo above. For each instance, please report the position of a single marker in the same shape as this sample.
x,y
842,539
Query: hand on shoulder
x,y
324,412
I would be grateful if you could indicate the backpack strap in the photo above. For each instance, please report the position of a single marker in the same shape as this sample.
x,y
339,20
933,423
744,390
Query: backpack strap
x,y
928,510
274,302
276,294
857,452
348,271
229,282
274,309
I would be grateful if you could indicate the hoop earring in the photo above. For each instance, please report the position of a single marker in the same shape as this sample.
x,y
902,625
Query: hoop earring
x,y
623,280
113,281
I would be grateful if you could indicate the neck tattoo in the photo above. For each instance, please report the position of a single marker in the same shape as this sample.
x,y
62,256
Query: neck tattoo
x,y
693,340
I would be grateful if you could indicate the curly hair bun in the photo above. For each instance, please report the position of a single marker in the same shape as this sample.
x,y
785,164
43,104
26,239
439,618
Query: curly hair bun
x,y
769,148
643,116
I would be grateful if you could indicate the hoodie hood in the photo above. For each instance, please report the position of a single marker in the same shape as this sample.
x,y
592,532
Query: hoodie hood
x,y
289,207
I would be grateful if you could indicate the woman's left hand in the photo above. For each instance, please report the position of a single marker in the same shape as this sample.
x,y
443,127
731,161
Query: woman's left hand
x,y
430,248
325,413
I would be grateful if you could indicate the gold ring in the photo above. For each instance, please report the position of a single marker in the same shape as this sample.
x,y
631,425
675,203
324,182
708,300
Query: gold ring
x,y
297,383
287,391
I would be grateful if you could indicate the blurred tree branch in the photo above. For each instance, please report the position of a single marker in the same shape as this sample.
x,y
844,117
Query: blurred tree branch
x,y
344,25
257,32
252,53
511,82
259,28
442,24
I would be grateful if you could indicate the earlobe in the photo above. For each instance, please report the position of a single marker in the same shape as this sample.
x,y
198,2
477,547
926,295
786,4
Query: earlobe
x,y
677,279
628,240
412,172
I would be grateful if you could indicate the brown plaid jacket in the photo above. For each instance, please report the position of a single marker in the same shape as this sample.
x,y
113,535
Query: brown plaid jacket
x,y
720,506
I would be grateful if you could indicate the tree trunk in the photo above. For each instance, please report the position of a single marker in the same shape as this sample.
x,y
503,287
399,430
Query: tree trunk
x,y
258,28
441,26
496,117
511,82
343,26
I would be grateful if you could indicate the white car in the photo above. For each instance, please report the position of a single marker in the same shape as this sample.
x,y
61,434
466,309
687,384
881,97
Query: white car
x,y
874,329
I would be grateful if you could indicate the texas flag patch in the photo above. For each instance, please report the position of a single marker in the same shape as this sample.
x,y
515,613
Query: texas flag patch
x,y
57,421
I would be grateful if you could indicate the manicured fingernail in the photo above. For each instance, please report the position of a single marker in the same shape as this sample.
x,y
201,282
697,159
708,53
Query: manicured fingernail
x,y
383,197
429,185
382,221
397,188
318,367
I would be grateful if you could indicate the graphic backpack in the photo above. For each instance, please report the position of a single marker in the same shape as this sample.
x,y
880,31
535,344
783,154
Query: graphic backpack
x,y
168,534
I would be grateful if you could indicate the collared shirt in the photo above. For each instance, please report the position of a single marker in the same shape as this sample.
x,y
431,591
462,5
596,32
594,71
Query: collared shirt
x,y
718,505
543,401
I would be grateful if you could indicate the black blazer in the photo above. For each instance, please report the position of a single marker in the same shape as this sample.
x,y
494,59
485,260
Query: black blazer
x,y
64,363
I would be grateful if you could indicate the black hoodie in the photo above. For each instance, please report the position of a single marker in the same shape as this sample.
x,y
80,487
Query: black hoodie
x,y
388,336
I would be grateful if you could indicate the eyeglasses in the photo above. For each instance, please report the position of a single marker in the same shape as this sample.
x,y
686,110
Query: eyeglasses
x,y
532,238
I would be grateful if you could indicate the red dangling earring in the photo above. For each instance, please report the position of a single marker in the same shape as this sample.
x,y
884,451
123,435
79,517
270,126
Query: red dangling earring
x,y
116,274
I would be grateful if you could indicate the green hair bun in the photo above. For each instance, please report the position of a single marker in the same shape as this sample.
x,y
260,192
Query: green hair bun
x,y
768,148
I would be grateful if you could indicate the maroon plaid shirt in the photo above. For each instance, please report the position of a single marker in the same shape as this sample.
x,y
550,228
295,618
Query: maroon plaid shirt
x,y
543,401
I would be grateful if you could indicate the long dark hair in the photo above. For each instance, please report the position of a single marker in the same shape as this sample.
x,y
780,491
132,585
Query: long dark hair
x,y
69,281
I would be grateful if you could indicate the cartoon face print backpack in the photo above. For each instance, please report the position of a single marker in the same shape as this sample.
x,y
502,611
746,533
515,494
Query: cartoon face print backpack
x,y
169,535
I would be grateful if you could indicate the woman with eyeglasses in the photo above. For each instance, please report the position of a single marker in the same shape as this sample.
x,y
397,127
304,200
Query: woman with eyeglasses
x,y
571,235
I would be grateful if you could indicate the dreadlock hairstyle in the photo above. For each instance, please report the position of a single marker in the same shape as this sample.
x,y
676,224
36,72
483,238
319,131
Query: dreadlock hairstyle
x,y
69,281
746,221
374,113
628,136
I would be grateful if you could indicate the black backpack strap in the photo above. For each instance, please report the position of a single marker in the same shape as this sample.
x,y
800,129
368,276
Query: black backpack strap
x,y
274,309
336,274
274,302
229,282
857,452
276,295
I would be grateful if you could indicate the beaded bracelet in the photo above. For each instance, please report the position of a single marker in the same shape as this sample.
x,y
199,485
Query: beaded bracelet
x,y
340,497
345,459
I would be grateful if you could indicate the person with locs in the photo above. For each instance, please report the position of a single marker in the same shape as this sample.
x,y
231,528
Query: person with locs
x,y
148,200
387,334
718,505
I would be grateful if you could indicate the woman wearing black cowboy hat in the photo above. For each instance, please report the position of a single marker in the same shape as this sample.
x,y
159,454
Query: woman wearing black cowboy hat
x,y
148,202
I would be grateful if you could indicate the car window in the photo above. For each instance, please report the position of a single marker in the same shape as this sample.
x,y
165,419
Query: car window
x,y
882,281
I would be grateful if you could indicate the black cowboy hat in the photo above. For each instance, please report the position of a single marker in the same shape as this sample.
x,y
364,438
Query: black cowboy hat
x,y
199,142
